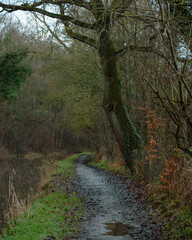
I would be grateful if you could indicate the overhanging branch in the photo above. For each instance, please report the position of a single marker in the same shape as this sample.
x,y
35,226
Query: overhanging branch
x,y
82,38
33,8
146,49
52,32
137,48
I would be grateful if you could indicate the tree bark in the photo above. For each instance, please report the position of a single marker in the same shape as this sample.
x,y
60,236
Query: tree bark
x,y
124,132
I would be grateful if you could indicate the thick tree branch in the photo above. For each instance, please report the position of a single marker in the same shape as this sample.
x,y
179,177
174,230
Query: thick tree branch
x,y
33,8
82,38
79,3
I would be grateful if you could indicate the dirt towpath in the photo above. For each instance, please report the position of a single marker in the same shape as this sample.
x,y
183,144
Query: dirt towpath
x,y
114,206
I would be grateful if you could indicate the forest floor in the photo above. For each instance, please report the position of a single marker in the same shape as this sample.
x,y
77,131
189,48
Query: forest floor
x,y
115,206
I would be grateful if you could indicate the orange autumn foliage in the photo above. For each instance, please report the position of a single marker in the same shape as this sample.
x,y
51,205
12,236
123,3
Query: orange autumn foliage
x,y
171,166
158,151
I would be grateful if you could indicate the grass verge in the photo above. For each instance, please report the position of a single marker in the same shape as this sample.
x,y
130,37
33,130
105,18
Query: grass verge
x,y
56,212
112,166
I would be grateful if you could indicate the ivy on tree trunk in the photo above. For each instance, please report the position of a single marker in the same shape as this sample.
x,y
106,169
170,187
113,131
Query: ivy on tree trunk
x,y
118,117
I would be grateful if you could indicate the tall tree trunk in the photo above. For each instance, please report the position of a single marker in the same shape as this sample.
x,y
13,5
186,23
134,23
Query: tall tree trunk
x,y
124,132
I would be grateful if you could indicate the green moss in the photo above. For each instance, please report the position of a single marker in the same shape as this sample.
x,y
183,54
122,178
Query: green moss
x,y
132,139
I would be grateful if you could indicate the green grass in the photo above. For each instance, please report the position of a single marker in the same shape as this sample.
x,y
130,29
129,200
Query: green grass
x,y
180,227
68,163
178,219
56,213
112,166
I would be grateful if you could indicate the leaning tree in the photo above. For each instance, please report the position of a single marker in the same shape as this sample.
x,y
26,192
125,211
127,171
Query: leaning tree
x,y
92,22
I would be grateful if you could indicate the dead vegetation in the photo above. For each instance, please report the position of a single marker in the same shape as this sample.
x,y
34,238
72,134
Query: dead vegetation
x,y
20,178
182,183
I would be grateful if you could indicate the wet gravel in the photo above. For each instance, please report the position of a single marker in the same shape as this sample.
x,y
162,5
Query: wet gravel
x,y
114,206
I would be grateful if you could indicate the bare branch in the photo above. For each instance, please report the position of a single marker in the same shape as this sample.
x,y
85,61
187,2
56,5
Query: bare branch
x,y
97,8
33,8
164,105
79,3
137,48
120,6
52,32
148,49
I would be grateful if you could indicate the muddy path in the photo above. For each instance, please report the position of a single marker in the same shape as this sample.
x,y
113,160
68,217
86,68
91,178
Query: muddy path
x,y
114,206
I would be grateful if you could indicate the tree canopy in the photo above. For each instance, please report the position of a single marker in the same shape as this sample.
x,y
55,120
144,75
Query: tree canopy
x,y
151,29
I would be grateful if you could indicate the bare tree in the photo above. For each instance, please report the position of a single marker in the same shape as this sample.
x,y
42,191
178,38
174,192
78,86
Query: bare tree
x,y
91,22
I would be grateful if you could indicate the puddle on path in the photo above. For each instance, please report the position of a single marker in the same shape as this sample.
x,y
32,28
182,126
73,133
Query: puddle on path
x,y
118,229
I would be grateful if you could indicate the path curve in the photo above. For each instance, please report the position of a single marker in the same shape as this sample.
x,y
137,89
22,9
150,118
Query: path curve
x,y
112,210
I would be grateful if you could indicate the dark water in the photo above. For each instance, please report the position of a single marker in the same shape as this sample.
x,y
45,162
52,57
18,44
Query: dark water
x,y
24,176
119,229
